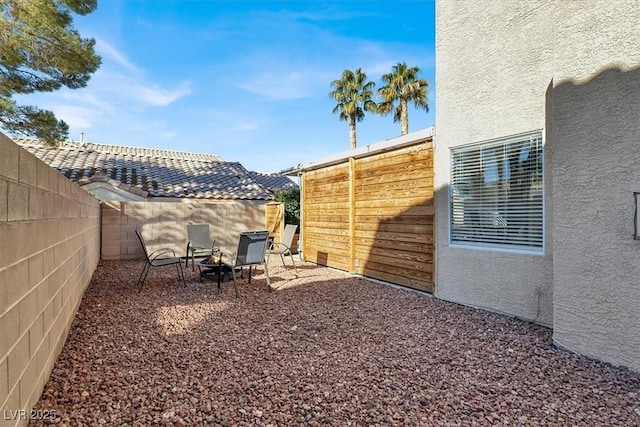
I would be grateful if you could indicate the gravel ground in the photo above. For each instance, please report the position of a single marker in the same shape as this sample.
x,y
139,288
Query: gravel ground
x,y
325,348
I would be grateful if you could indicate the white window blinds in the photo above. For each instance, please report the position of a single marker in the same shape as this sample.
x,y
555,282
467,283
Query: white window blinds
x,y
496,195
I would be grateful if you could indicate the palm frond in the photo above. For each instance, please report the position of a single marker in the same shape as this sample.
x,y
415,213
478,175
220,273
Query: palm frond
x,y
402,85
354,94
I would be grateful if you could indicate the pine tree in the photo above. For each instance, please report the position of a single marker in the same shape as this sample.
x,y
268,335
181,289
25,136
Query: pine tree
x,y
41,51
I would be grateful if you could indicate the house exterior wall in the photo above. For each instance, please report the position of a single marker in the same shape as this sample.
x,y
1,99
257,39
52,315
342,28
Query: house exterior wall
x,y
596,134
163,224
596,261
49,249
490,68
564,67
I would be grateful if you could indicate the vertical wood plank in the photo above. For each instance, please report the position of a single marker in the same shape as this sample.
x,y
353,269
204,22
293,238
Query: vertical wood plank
x,y
352,213
303,222
274,219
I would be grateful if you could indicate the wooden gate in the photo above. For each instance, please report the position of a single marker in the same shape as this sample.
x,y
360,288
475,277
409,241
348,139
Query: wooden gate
x,y
373,214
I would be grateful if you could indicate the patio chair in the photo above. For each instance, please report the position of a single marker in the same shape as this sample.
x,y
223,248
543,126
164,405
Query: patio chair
x,y
160,258
199,243
284,248
252,249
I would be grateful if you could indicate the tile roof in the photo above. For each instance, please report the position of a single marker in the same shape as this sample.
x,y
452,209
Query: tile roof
x,y
274,182
160,173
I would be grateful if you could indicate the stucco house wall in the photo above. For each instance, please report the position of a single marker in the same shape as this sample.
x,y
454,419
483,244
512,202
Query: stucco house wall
x,y
596,265
489,69
567,68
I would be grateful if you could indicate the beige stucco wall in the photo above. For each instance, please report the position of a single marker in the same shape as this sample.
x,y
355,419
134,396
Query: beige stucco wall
x,y
596,170
506,67
163,224
49,249
491,77
596,130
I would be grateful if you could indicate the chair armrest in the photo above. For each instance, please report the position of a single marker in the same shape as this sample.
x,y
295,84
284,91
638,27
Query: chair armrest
x,y
276,247
157,254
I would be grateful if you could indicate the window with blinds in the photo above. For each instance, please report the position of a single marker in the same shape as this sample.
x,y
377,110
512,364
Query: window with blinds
x,y
496,193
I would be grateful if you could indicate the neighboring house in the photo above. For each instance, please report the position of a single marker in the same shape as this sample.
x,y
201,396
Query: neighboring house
x,y
129,173
141,188
537,160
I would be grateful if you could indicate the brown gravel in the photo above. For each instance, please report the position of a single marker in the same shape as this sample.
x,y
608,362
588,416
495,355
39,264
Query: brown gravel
x,y
325,348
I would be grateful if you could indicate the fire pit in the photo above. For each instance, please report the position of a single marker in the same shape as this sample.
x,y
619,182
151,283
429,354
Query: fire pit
x,y
213,268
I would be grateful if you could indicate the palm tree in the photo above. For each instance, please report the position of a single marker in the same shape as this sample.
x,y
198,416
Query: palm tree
x,y
402,85
354,96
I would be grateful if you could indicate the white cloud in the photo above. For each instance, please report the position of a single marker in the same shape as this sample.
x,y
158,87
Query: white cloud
x,y
230,123
108,88
109,51
129,82
374,71
298,72
243,126
143,23
157,96
168,135
88,99
76,117
278,86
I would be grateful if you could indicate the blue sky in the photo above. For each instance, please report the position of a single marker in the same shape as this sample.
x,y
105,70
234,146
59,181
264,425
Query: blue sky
x,y
247,80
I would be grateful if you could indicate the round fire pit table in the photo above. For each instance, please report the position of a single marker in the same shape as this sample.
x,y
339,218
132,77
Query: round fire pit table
x,y
214,268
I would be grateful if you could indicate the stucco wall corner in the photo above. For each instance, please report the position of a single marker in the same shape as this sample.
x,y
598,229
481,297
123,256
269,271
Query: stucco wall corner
x,y
596,131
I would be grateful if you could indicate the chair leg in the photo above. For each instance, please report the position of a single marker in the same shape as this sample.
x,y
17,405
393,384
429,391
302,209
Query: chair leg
x,y
143,275
266,273
282,258
233,274
294,263
181,273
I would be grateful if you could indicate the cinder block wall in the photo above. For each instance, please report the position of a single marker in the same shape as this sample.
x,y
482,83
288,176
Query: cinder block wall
x,y
49,249
164,224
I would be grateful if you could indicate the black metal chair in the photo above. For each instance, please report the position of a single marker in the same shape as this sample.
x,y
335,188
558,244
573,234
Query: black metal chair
x,y
252,249
158,259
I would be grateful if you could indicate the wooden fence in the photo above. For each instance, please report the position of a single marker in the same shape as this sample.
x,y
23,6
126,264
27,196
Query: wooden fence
x,y
373,215
274,219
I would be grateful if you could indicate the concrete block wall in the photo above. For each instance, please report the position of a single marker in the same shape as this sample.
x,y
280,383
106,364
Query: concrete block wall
x,y
49,249
164,224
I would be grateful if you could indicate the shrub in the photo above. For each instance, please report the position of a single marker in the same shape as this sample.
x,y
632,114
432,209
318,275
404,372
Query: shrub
x,y
291,200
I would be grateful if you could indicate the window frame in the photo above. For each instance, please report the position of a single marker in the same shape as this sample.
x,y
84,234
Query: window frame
x,y
487,144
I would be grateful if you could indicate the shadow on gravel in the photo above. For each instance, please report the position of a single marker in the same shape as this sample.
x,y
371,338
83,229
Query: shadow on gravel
x,y
326,348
